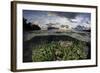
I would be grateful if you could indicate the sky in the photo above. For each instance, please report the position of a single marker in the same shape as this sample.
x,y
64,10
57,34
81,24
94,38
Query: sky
x,y
42,18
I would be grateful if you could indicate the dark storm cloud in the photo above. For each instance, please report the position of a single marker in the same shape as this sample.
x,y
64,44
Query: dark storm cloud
x,y
44,17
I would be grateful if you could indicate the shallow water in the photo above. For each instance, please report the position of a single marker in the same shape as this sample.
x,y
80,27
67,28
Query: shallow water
x,y
36,40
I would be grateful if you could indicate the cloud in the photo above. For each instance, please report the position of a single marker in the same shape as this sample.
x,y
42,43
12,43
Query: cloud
x,y
50,17
51,14
42,18
81,19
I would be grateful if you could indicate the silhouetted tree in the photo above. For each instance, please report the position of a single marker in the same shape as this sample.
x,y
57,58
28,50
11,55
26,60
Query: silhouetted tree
x,y
29,26
35,27
26,26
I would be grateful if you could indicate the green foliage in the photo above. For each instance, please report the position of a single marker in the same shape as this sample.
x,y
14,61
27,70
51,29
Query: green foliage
x,y
61,50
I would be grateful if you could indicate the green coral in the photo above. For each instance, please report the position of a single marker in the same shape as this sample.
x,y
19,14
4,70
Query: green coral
x,y
61,50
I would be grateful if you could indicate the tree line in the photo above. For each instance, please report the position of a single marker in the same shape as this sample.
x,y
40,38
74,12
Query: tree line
x,y
28,26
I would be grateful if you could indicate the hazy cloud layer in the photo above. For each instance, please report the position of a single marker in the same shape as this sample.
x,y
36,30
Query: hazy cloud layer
x,y
61,18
